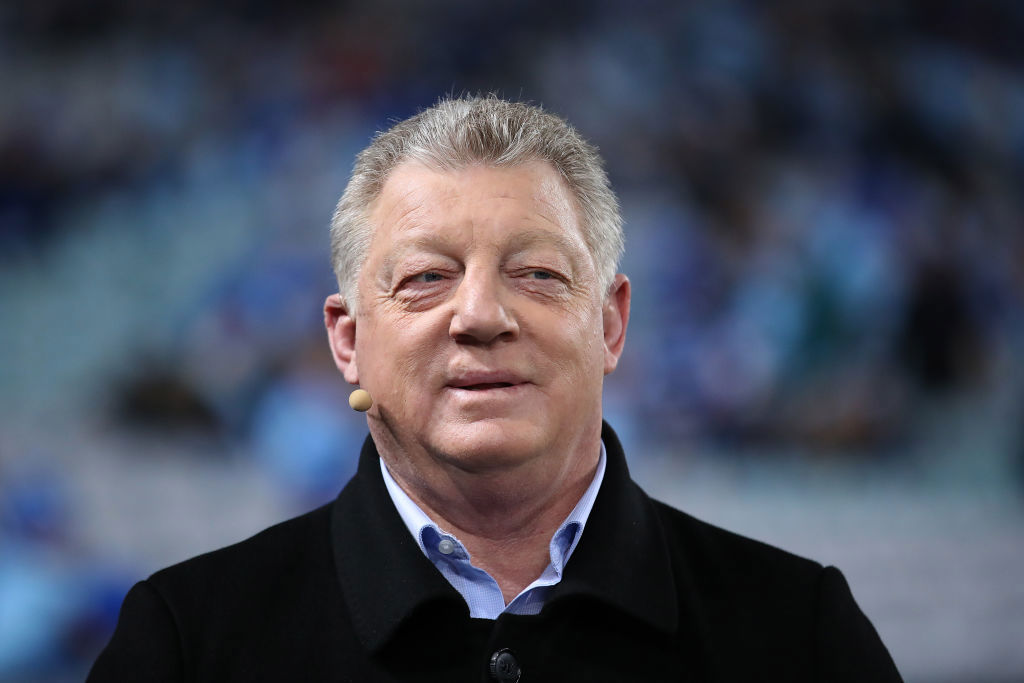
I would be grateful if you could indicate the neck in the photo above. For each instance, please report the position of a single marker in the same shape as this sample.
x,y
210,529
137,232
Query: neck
x,y
504,518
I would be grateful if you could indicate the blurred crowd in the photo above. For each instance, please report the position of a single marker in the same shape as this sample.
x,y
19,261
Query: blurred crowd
x,y
823,209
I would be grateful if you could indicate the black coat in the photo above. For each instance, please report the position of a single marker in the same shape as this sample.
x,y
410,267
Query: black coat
x,y
343,593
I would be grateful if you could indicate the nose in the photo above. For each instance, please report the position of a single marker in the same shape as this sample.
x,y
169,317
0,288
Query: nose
x,y
481,314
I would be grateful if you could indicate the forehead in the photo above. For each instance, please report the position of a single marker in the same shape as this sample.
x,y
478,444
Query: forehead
x,y
528,199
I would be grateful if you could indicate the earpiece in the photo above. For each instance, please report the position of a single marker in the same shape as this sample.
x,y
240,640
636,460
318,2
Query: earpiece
x,y
360,400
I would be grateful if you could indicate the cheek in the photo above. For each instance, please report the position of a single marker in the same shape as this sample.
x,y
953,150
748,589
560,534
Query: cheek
x,y
399,358
580,348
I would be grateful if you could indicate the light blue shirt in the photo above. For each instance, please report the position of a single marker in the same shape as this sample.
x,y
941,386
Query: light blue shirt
x,y
478,588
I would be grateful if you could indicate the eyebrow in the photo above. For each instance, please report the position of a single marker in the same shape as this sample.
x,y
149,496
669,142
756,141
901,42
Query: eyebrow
x,y
530,238
440,243
420,243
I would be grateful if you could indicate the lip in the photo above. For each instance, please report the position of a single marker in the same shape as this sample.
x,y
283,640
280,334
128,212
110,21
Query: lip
x,y
485,380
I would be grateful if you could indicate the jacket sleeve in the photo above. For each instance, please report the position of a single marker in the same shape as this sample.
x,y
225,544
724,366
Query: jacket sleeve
x,y
847,647
145,645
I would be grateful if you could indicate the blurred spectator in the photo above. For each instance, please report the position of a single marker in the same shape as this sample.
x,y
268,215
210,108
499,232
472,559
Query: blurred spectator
x,y
822,207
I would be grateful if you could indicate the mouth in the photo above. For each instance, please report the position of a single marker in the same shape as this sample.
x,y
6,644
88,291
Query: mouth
x,y
486,385
488,380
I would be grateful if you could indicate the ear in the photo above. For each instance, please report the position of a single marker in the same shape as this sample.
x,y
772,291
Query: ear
x,y
341,333
616,319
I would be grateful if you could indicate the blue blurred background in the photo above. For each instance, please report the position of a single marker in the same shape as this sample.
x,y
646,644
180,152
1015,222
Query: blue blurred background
x,y
824,231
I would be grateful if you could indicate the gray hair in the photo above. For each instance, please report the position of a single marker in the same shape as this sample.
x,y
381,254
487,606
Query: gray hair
x,y
456,133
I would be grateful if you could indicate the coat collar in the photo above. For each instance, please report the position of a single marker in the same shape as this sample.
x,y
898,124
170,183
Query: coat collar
x,y
385,577
383,574
622,558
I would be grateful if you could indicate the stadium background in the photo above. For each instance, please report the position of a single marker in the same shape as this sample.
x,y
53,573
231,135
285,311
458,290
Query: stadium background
x,y
823,207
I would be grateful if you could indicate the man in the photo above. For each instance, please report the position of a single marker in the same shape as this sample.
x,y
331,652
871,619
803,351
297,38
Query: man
x,y
492,531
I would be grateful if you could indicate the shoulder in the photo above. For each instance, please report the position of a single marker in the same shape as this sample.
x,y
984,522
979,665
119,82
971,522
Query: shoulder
x,y
282,557
784,612
223,612
740,584
711,548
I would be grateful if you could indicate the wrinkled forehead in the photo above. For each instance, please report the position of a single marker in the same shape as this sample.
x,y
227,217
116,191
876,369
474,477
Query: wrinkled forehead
x,y
530,200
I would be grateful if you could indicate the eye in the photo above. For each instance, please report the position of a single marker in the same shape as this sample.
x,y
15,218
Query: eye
x,y
429,276
541,280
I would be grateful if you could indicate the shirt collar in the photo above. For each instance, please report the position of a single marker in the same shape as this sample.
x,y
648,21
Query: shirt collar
x,y
563,541
385,578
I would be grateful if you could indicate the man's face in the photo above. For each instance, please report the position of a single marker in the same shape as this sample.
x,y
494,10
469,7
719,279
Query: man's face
x,y
481,332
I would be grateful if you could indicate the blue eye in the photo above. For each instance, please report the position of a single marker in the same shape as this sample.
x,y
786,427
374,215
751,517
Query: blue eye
x,y
541,275
429,277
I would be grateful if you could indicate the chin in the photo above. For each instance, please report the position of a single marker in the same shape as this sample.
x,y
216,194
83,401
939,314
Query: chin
x,y
491,443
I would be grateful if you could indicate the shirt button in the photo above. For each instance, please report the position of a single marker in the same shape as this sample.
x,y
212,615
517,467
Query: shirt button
x,y
505,667
446,547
